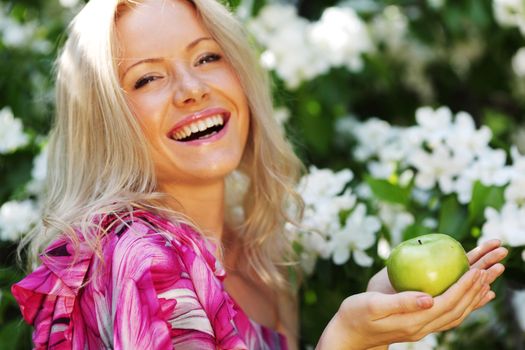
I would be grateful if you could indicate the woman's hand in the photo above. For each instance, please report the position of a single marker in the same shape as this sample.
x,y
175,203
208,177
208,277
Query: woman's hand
x,y
380,317
372,319
485,257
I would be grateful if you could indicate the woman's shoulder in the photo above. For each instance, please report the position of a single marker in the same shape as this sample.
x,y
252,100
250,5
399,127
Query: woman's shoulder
x,y
134,242
137,246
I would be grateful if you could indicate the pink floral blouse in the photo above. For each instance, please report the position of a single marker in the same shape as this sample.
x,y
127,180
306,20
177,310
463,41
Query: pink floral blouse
x,y
158,286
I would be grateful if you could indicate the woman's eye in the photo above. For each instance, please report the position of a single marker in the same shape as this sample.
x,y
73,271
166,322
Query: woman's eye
x,y
211,57
145,80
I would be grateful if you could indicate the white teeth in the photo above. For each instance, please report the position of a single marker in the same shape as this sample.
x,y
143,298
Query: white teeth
x,y
197,126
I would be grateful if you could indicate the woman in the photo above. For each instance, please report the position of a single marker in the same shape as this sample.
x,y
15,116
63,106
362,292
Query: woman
x,y
158,102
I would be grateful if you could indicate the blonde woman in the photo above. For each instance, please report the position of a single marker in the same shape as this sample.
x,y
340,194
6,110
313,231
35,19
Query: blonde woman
x,y
158,102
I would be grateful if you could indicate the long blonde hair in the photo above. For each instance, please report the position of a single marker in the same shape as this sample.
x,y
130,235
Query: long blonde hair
x,y
98,157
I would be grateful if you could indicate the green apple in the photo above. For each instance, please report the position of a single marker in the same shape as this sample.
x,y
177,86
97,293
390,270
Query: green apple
x,y
430,263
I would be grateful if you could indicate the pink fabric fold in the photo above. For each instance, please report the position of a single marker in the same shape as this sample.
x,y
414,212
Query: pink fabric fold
x,y
158,286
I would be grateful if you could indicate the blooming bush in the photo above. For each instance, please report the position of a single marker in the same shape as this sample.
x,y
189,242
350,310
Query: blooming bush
x,y
408,116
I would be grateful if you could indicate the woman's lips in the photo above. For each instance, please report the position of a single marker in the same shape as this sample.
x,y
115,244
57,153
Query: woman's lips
x,y
201,126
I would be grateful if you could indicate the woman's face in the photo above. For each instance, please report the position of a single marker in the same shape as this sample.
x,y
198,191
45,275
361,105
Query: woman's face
x,y
184,93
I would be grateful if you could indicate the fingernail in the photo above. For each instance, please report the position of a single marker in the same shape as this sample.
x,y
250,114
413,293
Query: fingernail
x,y
425,302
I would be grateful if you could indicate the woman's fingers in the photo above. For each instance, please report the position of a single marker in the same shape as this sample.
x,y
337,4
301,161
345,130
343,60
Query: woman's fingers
x,y
480,295
486,299
491,258
384,305
486,254
380,283
494,272
459,301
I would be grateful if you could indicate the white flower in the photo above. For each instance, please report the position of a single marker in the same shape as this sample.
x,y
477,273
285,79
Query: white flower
x,y
508,225
406,177
518,63
396,219
440,166
12,135
523,255
490,167
421,196
281,114
434,124
398,146
430,223
364,191
518,303
515,191
509,13
357,235
390,27
16,218
437,4
289,52
463,137
345,126
453,154
325,199
465,52
236,186
372,136
427,343
381,170
383,248
323,183
39,171
299,50
268,60
342,37
308,262
69,3
315,244
16,34
518,138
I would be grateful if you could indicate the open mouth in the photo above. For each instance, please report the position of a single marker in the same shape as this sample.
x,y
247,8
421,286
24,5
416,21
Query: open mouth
x,y
200,129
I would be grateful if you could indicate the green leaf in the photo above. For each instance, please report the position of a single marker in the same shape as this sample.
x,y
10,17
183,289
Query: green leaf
x,y
15,335
453,218
498,122
231,4
388,192
483,197
415,230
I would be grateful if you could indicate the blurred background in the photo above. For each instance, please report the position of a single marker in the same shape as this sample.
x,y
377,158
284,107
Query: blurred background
x,y
408,115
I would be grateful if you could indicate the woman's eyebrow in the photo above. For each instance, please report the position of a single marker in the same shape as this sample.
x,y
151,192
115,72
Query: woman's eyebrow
x,y
196,41
158,59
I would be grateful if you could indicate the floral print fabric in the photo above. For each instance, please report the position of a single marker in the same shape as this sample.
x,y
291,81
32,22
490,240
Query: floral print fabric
x,y
158,286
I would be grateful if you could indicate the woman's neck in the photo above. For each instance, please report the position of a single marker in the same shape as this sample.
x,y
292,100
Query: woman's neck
x,y
203,204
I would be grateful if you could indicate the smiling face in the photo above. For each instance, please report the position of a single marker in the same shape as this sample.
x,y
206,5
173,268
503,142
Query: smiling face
x,y
184,93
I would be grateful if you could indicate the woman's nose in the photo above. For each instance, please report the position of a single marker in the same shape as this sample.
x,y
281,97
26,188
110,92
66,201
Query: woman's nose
x,y
190,89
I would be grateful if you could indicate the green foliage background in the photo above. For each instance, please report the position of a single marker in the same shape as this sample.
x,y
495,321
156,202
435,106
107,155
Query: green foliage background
x,y
488,91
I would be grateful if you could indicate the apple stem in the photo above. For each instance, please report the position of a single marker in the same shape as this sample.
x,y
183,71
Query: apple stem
x,y
419,241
